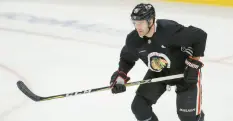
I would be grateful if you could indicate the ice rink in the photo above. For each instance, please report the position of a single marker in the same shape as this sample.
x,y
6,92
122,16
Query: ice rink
x,y
60,47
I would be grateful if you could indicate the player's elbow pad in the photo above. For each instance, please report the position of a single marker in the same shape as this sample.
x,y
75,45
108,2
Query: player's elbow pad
x,y
200,45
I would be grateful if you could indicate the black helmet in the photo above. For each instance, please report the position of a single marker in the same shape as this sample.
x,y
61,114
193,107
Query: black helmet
x,y
143,12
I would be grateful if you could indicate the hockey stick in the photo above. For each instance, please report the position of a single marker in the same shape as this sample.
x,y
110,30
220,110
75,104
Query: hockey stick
x,y
37,98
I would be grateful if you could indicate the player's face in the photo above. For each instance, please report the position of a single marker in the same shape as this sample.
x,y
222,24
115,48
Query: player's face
x,y
141,27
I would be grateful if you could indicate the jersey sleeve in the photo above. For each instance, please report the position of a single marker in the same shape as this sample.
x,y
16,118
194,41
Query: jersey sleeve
x,y
190,37
128,57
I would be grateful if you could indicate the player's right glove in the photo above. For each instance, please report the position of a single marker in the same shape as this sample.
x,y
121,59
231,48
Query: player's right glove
x,y
118,79
192,69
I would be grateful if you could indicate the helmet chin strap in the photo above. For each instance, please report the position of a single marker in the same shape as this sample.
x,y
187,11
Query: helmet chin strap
x,y
149,27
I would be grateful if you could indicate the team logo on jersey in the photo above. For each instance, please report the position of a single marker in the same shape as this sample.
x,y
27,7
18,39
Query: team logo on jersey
x,y
158,61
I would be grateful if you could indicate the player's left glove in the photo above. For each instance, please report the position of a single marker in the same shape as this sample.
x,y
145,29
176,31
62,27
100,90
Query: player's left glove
x,y
192,70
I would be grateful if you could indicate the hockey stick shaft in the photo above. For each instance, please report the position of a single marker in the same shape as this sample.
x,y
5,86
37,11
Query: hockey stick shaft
x,y
34,97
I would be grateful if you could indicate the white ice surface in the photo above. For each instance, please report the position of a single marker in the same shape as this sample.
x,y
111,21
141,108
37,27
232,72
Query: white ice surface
x,y
50,59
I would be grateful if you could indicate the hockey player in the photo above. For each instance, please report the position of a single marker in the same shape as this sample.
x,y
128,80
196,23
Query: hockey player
x,y
167,48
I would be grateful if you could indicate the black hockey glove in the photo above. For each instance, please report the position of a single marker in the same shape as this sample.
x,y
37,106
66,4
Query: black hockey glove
x,y
192,70
118,79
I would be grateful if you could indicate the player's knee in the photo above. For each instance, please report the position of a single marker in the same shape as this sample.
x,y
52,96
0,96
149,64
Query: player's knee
x,y
137,105
141,108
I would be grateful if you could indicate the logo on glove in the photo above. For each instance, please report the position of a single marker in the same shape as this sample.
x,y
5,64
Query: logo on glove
x,y
158,61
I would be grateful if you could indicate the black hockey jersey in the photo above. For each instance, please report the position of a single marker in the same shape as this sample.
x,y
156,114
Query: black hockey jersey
x,y
172,41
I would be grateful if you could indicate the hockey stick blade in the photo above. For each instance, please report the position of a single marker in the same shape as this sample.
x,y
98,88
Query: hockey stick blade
x,y
24,89
28,92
